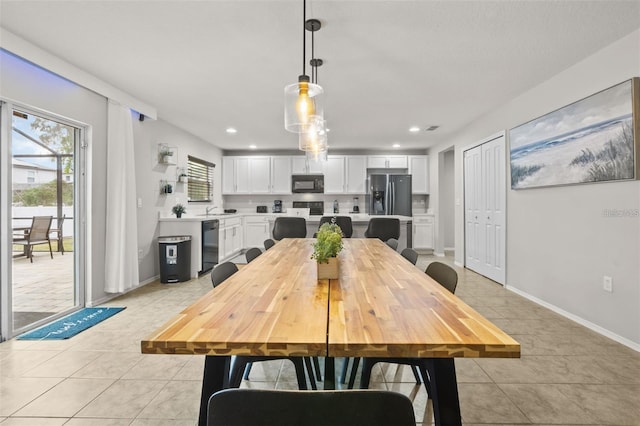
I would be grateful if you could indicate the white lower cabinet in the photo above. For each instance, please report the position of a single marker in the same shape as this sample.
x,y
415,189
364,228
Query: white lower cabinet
x,y
256,230
230,238
423,237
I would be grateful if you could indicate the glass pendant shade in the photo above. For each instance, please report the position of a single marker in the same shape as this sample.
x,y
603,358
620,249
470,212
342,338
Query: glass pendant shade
x,y
302,101
314,140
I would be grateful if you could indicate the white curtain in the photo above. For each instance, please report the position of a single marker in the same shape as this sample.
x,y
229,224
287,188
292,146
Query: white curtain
x,y
121,254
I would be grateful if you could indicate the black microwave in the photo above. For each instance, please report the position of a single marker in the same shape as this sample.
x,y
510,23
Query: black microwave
x,y
307,184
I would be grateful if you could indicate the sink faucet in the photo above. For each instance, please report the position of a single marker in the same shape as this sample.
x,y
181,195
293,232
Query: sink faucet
x,y
210,209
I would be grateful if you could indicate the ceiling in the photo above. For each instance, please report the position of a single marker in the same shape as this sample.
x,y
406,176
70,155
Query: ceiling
x,y
388,65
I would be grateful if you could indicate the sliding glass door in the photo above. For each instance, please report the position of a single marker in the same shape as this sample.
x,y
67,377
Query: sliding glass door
x,y
44,252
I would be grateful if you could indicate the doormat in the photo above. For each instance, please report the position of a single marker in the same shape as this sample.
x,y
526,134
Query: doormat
x,y
71,325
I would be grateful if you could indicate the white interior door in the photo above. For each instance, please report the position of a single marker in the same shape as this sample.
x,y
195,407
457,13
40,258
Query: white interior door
x,y
485,218
473,213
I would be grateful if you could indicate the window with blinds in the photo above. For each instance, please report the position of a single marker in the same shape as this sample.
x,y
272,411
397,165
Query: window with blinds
x,y
200,179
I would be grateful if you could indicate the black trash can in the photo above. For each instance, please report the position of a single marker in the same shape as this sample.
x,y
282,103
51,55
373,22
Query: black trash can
x,y
175,258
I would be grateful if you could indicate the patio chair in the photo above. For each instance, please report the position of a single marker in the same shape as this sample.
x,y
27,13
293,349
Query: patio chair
x,y
58,233
37,234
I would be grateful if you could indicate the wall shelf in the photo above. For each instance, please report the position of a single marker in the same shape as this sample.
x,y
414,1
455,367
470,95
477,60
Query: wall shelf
x,y
167,154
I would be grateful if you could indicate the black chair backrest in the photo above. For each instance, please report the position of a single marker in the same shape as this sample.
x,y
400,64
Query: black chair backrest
x,y
235,407
268,243
252,253
222,272
410,254
383,228
289,227
344,222
444,274
393,243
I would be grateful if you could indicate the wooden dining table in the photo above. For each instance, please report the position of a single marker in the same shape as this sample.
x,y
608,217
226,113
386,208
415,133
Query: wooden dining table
x,y
381,306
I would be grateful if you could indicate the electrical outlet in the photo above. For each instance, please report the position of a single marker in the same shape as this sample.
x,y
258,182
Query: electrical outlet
x,y
140,254
139,202
607,284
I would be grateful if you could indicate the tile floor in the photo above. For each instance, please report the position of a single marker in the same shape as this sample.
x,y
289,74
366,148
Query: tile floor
x,y
568,375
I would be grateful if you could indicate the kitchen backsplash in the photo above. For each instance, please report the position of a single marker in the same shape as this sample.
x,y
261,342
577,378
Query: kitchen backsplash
x,y
248,203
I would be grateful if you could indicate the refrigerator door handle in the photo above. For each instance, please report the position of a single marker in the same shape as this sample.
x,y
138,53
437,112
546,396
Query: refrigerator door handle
x,y
392,198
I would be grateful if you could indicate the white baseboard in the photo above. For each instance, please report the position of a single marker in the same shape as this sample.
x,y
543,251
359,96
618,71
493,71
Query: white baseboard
x,y
594,327
112,296
460,264
439,254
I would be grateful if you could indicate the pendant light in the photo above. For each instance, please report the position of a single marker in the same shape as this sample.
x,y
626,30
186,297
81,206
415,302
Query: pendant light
x,y
303,99
314,140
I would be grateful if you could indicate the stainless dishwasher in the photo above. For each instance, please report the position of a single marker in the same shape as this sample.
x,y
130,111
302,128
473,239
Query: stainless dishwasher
x,y
210,244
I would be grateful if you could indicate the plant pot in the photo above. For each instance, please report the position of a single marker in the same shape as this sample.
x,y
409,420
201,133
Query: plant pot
x,y
178,215
184,179
329,270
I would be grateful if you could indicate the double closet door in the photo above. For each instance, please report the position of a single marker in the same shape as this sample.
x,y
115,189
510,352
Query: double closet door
x,y
484,204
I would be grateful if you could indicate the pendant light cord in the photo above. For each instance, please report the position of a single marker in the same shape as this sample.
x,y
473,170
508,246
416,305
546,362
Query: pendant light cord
x,y
304,37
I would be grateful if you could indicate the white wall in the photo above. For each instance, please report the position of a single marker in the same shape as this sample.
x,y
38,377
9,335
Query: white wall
x,y
31,86
147,135
559,243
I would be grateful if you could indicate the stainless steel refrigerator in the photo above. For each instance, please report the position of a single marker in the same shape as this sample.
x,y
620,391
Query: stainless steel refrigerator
x,y
389,194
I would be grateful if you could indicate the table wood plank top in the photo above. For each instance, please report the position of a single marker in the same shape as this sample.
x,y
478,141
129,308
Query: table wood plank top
x,y
271,307
384,306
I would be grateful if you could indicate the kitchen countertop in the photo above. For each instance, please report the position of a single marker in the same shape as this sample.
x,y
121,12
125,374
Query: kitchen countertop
x,y
355,217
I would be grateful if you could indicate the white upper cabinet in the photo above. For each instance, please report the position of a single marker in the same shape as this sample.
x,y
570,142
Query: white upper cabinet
x,y
334,175
235,175
246,175
281,175
301,166
419,171
387,162
356,174
260,175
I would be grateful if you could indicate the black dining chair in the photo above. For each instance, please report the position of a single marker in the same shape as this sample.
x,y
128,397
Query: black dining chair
x,y
393,243
447,277
221,272
268,243
252,253
344,222
240,407
289,227
410,254
383,228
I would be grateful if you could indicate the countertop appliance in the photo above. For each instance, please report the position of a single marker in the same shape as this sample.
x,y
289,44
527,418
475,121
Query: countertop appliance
x,y
389,194
315,207
210,244
277,206
305,184
356,207
261,209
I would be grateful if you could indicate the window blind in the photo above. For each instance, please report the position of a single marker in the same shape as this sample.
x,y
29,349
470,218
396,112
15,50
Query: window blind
x,y
200,179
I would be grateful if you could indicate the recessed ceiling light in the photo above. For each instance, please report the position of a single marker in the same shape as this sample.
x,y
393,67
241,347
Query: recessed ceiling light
x,y
414,129
396,145
253,147
231,130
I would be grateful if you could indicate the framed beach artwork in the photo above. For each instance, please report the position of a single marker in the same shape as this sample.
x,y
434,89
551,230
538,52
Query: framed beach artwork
x,y
592,140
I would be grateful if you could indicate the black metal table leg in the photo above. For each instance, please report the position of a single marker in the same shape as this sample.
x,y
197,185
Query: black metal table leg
x,y
215,378
329,373
444,391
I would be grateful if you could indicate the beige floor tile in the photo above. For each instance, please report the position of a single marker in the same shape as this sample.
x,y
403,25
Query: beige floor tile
x,y
33,421
109,365
487,403
547,404
609,404
16,392
62,365
178,400
123,399
19,362
156,422
66,398
98,422
156,367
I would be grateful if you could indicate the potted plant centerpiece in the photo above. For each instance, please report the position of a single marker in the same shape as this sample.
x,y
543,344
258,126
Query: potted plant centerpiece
x,y
325,250
178,209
